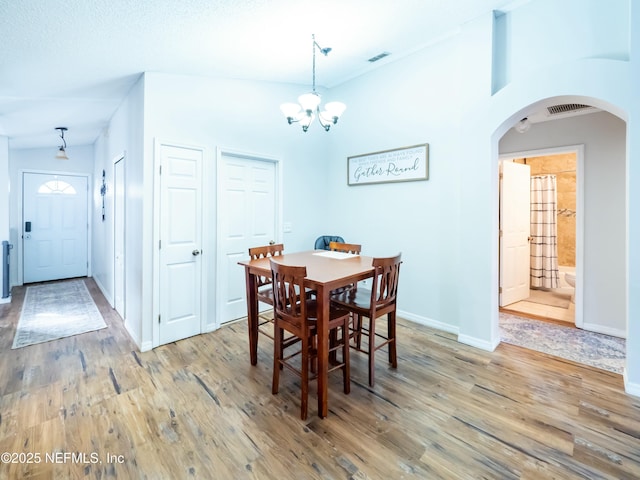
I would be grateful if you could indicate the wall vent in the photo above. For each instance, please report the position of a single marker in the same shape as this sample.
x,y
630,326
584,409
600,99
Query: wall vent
x,y
380,56
567,108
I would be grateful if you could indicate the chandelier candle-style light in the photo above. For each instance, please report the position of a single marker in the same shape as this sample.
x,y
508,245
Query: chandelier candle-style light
x,y
309,103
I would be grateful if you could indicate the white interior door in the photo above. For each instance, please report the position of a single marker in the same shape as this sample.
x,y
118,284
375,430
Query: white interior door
x,y
180,243
515,229
55,227
119,214
247,218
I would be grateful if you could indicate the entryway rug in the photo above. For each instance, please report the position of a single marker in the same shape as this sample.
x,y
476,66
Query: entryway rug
x,y
56,310
594,349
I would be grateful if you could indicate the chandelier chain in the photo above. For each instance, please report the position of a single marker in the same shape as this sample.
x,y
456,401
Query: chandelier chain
x,y
313,47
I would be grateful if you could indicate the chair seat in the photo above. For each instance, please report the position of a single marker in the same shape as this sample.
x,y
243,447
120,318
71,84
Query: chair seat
x,y
357,298
336,315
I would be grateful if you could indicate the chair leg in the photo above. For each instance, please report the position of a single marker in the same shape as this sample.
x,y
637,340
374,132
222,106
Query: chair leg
x,y
391,335
372,350
357,327
346,369
277,356
304,381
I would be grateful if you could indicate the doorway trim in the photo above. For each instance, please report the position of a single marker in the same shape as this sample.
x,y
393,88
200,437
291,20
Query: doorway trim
x,y
120,229
277,162
20,193
578,150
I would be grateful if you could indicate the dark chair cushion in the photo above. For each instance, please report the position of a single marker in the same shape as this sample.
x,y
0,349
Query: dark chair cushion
x,y
322,243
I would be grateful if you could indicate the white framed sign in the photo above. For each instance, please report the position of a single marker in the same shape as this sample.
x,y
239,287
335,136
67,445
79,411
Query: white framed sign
x,y
405,164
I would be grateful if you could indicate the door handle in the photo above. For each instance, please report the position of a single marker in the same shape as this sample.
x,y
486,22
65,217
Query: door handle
x,y
272,242
195,253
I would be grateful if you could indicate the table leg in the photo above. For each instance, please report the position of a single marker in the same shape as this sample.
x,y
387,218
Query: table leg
x,y
323,350
252,315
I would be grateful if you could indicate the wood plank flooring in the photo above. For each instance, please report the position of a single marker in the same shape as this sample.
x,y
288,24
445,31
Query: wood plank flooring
x,y
92,406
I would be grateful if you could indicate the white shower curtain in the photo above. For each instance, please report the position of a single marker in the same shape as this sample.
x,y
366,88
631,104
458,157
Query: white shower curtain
x,y
544,232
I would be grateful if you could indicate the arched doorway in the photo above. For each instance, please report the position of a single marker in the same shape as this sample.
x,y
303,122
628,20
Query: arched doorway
x,y
600,138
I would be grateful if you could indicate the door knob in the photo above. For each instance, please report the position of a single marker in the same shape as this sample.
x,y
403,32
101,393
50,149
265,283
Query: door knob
x,y
272,242
195,253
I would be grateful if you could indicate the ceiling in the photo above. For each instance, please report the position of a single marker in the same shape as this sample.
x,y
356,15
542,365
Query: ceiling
x,y
69,63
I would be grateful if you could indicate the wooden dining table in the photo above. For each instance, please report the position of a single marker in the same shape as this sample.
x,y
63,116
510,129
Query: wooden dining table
x,y
326,271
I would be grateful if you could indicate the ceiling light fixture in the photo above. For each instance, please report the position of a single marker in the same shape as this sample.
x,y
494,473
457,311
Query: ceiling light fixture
x,y
62,154
523,125
309,103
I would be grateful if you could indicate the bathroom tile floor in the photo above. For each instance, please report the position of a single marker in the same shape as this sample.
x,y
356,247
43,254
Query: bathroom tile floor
x,y
542,311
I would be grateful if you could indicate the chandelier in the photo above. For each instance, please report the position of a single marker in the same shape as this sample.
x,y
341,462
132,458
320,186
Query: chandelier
x,y
308,105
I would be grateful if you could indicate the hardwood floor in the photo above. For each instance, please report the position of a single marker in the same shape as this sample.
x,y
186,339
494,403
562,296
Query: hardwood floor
x,y
91,406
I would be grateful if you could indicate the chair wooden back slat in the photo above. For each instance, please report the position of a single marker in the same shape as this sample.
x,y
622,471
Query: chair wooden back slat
x,y
385,281
288,281
265,252
345,247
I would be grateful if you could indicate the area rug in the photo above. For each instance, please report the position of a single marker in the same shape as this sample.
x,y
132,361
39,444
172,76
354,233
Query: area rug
x,y
56,310
594,349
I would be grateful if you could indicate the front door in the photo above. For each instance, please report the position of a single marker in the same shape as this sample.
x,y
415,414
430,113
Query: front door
x,y
180,242
55,226
515,229
247,218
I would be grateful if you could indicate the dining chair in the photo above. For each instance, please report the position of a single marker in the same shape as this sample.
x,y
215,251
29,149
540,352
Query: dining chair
x,y
345,247
265,292
322,242
372,304
297,315
353,248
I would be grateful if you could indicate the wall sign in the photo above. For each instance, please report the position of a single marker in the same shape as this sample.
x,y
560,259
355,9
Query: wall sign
x,y
405,164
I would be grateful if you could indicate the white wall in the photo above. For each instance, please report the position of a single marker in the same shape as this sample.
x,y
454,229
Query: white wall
x,y
123,136
406,103
41,160
632,372
4,212
604,138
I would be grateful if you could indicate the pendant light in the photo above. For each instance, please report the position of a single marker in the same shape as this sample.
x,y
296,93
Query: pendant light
x,y
308,106
62,154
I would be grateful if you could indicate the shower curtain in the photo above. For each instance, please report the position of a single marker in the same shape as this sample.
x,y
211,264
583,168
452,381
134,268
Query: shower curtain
x,y
544,232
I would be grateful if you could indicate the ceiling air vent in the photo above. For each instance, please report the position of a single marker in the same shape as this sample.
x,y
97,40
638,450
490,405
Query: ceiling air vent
x,y
567,108
380,56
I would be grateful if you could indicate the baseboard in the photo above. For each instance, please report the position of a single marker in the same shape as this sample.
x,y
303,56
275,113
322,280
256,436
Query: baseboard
x,y
478,343
5,300
466,339
210,327
106,295
143,347
629,387
146,346
428,322
614,332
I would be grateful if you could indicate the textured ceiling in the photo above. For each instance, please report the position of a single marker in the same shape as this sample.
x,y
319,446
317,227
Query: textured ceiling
x,y
70,63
